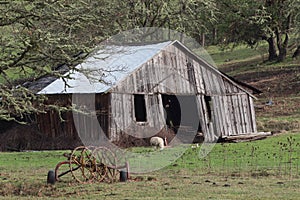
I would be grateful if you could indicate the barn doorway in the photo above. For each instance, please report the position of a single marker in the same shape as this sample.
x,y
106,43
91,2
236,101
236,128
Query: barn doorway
x,y
181,112
172,111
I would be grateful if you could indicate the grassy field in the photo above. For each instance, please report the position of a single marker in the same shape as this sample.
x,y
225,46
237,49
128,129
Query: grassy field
x,y
264,169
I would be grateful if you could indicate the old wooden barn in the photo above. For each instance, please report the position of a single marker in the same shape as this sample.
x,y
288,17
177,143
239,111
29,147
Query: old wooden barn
x,y
140,89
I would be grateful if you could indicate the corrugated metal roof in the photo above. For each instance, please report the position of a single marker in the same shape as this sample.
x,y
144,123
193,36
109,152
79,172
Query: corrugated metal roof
x,y
110,64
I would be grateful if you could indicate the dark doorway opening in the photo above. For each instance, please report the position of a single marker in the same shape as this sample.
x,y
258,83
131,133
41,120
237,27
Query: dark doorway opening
x,y
172,111
181,112
140,108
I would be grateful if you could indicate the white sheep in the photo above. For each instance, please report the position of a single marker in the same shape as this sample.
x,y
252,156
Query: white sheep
x,y
157,142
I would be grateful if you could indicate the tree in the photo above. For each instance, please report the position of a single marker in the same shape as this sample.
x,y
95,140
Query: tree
x,y
252,21
190,17
194,17
281,14
296,54
245,22
36,38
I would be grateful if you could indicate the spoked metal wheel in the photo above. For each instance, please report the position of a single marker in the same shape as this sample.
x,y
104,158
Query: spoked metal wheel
x,y
82,164
61,169
106,164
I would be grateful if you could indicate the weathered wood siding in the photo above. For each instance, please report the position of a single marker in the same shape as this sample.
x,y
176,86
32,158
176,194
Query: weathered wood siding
x,y
164,73
233,115
99,107
168,73
51,125
123,118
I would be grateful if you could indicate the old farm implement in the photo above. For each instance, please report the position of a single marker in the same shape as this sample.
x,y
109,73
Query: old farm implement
x,y
90,164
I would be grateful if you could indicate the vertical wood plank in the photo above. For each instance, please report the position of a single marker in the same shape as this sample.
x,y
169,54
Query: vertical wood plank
x,y
252,113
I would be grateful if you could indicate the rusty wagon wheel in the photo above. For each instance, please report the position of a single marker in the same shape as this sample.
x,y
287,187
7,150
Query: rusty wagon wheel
x,y
82,164
106,164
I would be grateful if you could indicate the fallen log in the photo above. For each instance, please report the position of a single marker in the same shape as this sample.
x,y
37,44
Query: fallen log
x,y
245,137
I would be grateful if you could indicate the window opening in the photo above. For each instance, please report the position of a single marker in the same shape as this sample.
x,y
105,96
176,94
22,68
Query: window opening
x,y
208,104
140,108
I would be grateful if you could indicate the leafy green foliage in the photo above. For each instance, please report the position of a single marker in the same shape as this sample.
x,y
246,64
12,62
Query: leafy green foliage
x,y
18,101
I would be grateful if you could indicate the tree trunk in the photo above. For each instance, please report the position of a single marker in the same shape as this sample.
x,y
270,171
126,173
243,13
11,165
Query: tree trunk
x,y
282,54
181,37
203,39
282,47
297,52
272,49
215,36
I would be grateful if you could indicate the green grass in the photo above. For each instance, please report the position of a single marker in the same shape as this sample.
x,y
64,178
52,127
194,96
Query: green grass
x,y
262,169
258,66
237,54
244,158
29,159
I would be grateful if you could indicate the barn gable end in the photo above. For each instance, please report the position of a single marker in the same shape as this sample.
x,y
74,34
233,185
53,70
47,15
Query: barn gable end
x,y
169,73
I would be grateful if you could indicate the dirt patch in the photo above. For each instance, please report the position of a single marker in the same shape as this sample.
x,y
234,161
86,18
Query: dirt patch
x,y
279,126
282,115
281,106
274,83
27,190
